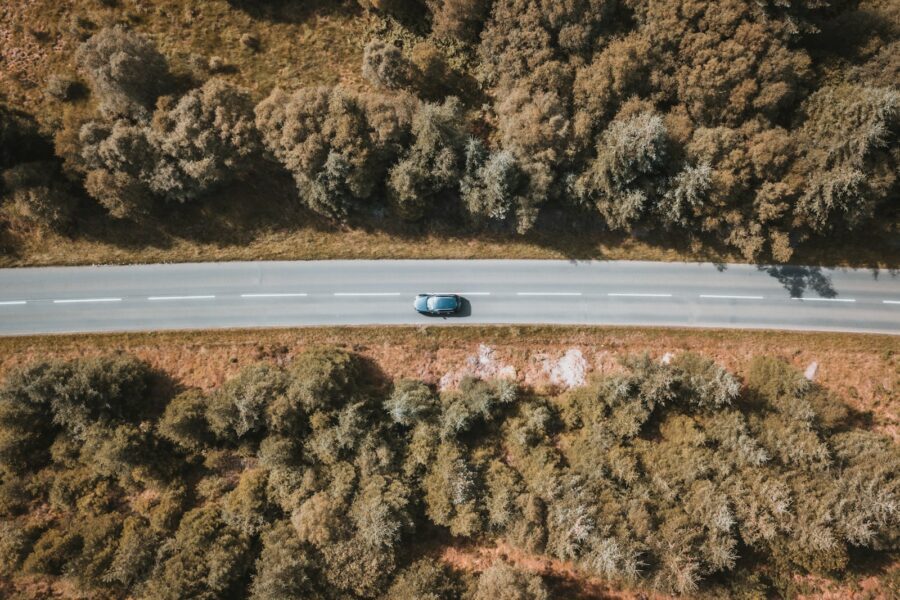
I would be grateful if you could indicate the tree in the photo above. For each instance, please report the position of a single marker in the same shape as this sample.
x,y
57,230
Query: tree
x,y
284,567
204,560
208,138
432,164
247,506
451,488
38,192
410,402
845,140
125,71
324,379
490,184
184,421
324,137
238,409
630,153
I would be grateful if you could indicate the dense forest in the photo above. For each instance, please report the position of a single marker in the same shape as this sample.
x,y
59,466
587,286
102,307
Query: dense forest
x,y
754,125
324,479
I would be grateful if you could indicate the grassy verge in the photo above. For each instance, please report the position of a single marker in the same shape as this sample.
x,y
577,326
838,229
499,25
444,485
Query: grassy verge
x,y
862,369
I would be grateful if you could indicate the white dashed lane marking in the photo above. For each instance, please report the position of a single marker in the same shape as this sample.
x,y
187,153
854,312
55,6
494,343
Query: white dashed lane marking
x,y
13,302
824,299
293,295
719,297
339,294
156,298
86,300
640,295
548,293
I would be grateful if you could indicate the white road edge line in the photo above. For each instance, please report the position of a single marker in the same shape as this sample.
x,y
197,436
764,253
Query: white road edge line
x,y
13,302
643,295
891,301
155,298
86,300
732,297
548,293
367,293
824,299
297,295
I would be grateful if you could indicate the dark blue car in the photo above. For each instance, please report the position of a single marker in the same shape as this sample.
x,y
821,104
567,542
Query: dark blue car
x,y
437,304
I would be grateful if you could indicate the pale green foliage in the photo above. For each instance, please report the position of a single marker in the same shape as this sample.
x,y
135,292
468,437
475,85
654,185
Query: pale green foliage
x,y
411,402
452,491
491,182
629,153
686,195
846,140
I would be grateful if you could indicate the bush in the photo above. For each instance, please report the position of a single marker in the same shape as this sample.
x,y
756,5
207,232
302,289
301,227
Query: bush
x,y
384,65
38,192
238,409
184,421
337,145
283,567
205,559
125,71
411,402
432,165
425,579
504,582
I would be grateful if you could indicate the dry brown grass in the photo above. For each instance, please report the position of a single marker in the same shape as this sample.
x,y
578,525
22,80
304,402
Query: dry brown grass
x,y
864,370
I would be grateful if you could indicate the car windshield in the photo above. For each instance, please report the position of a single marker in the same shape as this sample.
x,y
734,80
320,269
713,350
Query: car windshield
x,y
441,303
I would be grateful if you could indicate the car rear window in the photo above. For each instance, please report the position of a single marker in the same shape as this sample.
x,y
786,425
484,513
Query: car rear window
x,y
443,303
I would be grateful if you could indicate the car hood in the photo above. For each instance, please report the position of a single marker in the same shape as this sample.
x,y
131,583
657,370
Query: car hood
x,y
421,303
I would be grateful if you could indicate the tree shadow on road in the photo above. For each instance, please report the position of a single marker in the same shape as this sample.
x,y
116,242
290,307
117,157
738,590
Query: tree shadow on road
x,y
797,280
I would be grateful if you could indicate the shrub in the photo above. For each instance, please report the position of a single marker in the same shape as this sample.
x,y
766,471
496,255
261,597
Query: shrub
x,y
324,379
283,567
238,408
337,144
384,65
432,164
184,421
425,579
125,71
204,560
501,581
411,402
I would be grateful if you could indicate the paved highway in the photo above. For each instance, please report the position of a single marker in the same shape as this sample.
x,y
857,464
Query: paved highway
x,y
270,294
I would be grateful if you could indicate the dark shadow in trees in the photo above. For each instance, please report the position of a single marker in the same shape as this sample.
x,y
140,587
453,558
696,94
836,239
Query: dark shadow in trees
x,y
293,11
797,280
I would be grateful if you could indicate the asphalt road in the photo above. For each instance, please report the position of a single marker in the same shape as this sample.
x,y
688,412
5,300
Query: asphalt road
x,y
269,294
